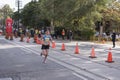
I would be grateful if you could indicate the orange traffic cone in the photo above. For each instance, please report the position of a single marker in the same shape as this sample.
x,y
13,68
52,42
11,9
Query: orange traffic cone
x,y
28,40
53,44
76,49
63,47
92,53
38,41
109,59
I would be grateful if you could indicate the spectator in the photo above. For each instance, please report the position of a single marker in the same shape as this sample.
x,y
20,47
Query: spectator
x,y
63,34
113,38
70,35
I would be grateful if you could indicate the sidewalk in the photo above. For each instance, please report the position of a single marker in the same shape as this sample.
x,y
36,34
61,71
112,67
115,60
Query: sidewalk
x,y
117,43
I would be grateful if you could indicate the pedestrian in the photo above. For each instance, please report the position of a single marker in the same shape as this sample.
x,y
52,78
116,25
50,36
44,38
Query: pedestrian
x,y
56,34
16,33
32,32
42,31
70,35
67,34
113,38
39,33
45,44
63,34
21,34
36,35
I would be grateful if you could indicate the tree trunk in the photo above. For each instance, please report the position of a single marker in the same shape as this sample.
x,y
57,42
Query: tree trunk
x,y
100,34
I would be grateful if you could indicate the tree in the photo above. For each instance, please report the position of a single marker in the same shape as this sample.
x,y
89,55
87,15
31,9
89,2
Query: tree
x,y
30,14
111,15
4,12
70,14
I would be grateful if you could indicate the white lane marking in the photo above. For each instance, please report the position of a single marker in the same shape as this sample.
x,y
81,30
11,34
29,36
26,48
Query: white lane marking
x,y
5,78
27,51
79,76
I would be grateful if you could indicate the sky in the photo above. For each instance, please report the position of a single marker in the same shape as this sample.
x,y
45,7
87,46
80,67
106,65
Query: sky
x,y
12,3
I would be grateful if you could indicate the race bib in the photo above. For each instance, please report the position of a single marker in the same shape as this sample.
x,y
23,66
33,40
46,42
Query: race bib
x,y
46,39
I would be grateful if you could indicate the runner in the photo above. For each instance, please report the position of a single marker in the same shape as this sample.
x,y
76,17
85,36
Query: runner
x,y
45,44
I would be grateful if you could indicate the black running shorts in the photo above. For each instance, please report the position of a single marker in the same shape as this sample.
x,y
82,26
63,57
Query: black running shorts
x,y
45,47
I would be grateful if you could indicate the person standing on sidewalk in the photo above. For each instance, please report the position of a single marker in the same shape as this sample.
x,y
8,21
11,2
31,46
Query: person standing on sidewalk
x,y
113,38
21,34
63,34
45,44
70,35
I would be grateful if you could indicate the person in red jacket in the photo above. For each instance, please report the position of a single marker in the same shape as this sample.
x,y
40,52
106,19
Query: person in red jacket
x,y
63,34
9,23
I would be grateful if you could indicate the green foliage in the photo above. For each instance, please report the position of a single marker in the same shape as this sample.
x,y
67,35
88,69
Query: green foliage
x,y
111,13
84,34
70,14
4,12
30,14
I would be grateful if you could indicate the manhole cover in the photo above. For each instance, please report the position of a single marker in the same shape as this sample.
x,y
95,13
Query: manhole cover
x,y
5,78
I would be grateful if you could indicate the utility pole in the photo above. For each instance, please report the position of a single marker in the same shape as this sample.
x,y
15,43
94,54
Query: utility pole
x,y
18,4
52,20
18,12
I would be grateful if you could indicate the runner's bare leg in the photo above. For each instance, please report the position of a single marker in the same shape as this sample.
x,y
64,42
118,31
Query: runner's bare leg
x,y
45,54
42,53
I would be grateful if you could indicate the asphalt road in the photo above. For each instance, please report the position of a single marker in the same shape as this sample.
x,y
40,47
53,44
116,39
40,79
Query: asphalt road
x,y
22,61
18,64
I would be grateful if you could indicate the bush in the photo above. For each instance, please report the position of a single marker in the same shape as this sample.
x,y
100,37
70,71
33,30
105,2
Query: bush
x,y
84,34
76,37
